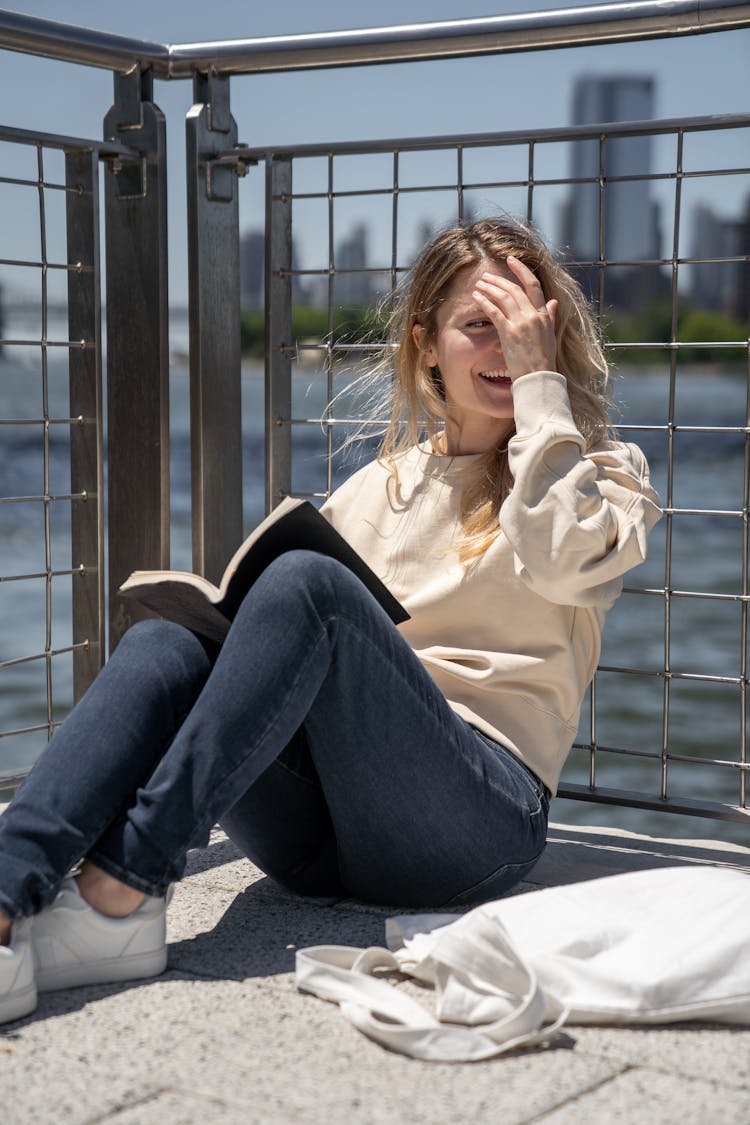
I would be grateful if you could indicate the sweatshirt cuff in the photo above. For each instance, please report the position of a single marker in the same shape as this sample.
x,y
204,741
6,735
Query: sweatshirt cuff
x,y
542,397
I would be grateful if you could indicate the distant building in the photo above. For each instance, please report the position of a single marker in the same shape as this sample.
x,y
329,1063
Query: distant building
x,y
425,235
352,288
252,272
252,255
623,225
720,285
744,286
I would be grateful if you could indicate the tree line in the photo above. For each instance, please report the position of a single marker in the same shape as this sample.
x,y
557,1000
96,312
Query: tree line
x,y
652,325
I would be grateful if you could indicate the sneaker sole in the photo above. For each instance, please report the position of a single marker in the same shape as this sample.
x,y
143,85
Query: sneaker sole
x,y
111,971
19,1004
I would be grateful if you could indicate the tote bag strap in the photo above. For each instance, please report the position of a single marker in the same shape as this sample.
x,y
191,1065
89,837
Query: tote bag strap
x,y
395,1020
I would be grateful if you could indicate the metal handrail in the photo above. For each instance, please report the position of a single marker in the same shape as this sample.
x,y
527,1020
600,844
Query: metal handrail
x,y
523,31
652,127
106,150
52,39
136,268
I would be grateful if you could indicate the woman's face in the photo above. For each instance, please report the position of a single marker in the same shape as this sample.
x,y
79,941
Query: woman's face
x,y
467,350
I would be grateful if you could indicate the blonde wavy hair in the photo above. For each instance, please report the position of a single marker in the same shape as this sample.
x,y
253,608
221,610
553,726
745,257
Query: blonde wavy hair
x,y
417,408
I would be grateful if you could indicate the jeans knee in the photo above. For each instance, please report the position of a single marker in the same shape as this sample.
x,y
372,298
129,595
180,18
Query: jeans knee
x,y
307,571
300,586
165,643
153,633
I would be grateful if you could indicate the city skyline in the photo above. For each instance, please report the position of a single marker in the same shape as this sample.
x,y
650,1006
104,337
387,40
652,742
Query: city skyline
x,y
718,285
697,75
628,231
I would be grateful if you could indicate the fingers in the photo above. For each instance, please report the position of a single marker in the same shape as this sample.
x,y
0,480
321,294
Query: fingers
x,y
484,302
529,280
501,296
527,288
524,320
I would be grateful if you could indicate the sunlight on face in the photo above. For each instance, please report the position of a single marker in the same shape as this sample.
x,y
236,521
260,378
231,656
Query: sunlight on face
x,y
468,353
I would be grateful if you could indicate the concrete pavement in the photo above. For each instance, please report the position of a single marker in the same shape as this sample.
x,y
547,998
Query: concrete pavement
x,y
224,1037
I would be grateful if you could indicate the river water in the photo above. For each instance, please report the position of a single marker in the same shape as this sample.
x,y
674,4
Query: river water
x,y
705,717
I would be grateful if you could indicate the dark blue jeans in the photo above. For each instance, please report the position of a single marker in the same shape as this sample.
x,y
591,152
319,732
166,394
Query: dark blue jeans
x,y
314,736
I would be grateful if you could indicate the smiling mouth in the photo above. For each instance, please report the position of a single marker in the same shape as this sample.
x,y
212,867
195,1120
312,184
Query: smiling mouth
x,y
495,376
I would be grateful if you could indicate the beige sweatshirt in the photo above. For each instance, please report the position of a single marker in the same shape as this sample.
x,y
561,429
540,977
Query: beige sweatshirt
x,y
512,641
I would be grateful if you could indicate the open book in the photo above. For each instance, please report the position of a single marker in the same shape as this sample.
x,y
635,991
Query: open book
x,y
196,603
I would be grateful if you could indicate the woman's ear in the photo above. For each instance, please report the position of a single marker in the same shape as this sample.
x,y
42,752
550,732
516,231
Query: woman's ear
x,y
418,336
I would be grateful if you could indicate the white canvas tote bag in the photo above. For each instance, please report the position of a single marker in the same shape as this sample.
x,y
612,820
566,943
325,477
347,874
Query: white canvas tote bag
x,y
645,947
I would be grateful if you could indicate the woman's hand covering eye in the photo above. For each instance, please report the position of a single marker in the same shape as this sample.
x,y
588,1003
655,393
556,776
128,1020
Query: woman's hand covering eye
x,y
525,322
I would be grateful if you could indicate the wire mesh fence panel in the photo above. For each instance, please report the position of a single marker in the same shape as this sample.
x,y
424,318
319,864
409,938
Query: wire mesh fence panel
x,y
651,217
654,225
50,440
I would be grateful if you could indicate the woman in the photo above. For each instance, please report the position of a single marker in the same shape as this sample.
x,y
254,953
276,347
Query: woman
x,y
343,755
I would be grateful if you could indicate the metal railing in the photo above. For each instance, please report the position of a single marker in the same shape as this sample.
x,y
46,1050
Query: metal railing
x,y
79,491
522,31
725,765
137,353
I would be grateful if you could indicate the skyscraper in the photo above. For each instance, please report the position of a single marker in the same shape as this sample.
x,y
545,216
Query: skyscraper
x,y
252,272
351,287
720,283
252,252
619,224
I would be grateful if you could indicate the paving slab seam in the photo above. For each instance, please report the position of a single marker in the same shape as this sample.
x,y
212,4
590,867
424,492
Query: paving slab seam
x,y
571,1099
126,1106
665,1069
718,1084
201,1097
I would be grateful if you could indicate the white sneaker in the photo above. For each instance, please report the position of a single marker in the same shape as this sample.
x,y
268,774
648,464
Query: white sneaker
x,y
17,984
75,944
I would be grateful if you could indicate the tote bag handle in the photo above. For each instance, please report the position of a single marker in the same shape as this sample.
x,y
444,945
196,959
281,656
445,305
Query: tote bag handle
x,y
387,1015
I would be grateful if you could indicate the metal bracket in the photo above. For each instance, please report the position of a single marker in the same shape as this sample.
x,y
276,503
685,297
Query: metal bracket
x,y
237,157
220,155
131,115
130,177
232,161
212,90
132,88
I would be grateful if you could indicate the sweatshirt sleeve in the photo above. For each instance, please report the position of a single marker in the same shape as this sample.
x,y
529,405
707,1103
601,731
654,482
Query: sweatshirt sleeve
x,y
577,521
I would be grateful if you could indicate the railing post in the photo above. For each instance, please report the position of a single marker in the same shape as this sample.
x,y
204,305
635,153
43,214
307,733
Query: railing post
x,y
85,366
137,343
278,283
214,293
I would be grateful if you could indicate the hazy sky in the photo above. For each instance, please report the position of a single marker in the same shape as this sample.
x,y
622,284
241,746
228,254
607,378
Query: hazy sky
x,y
694,75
